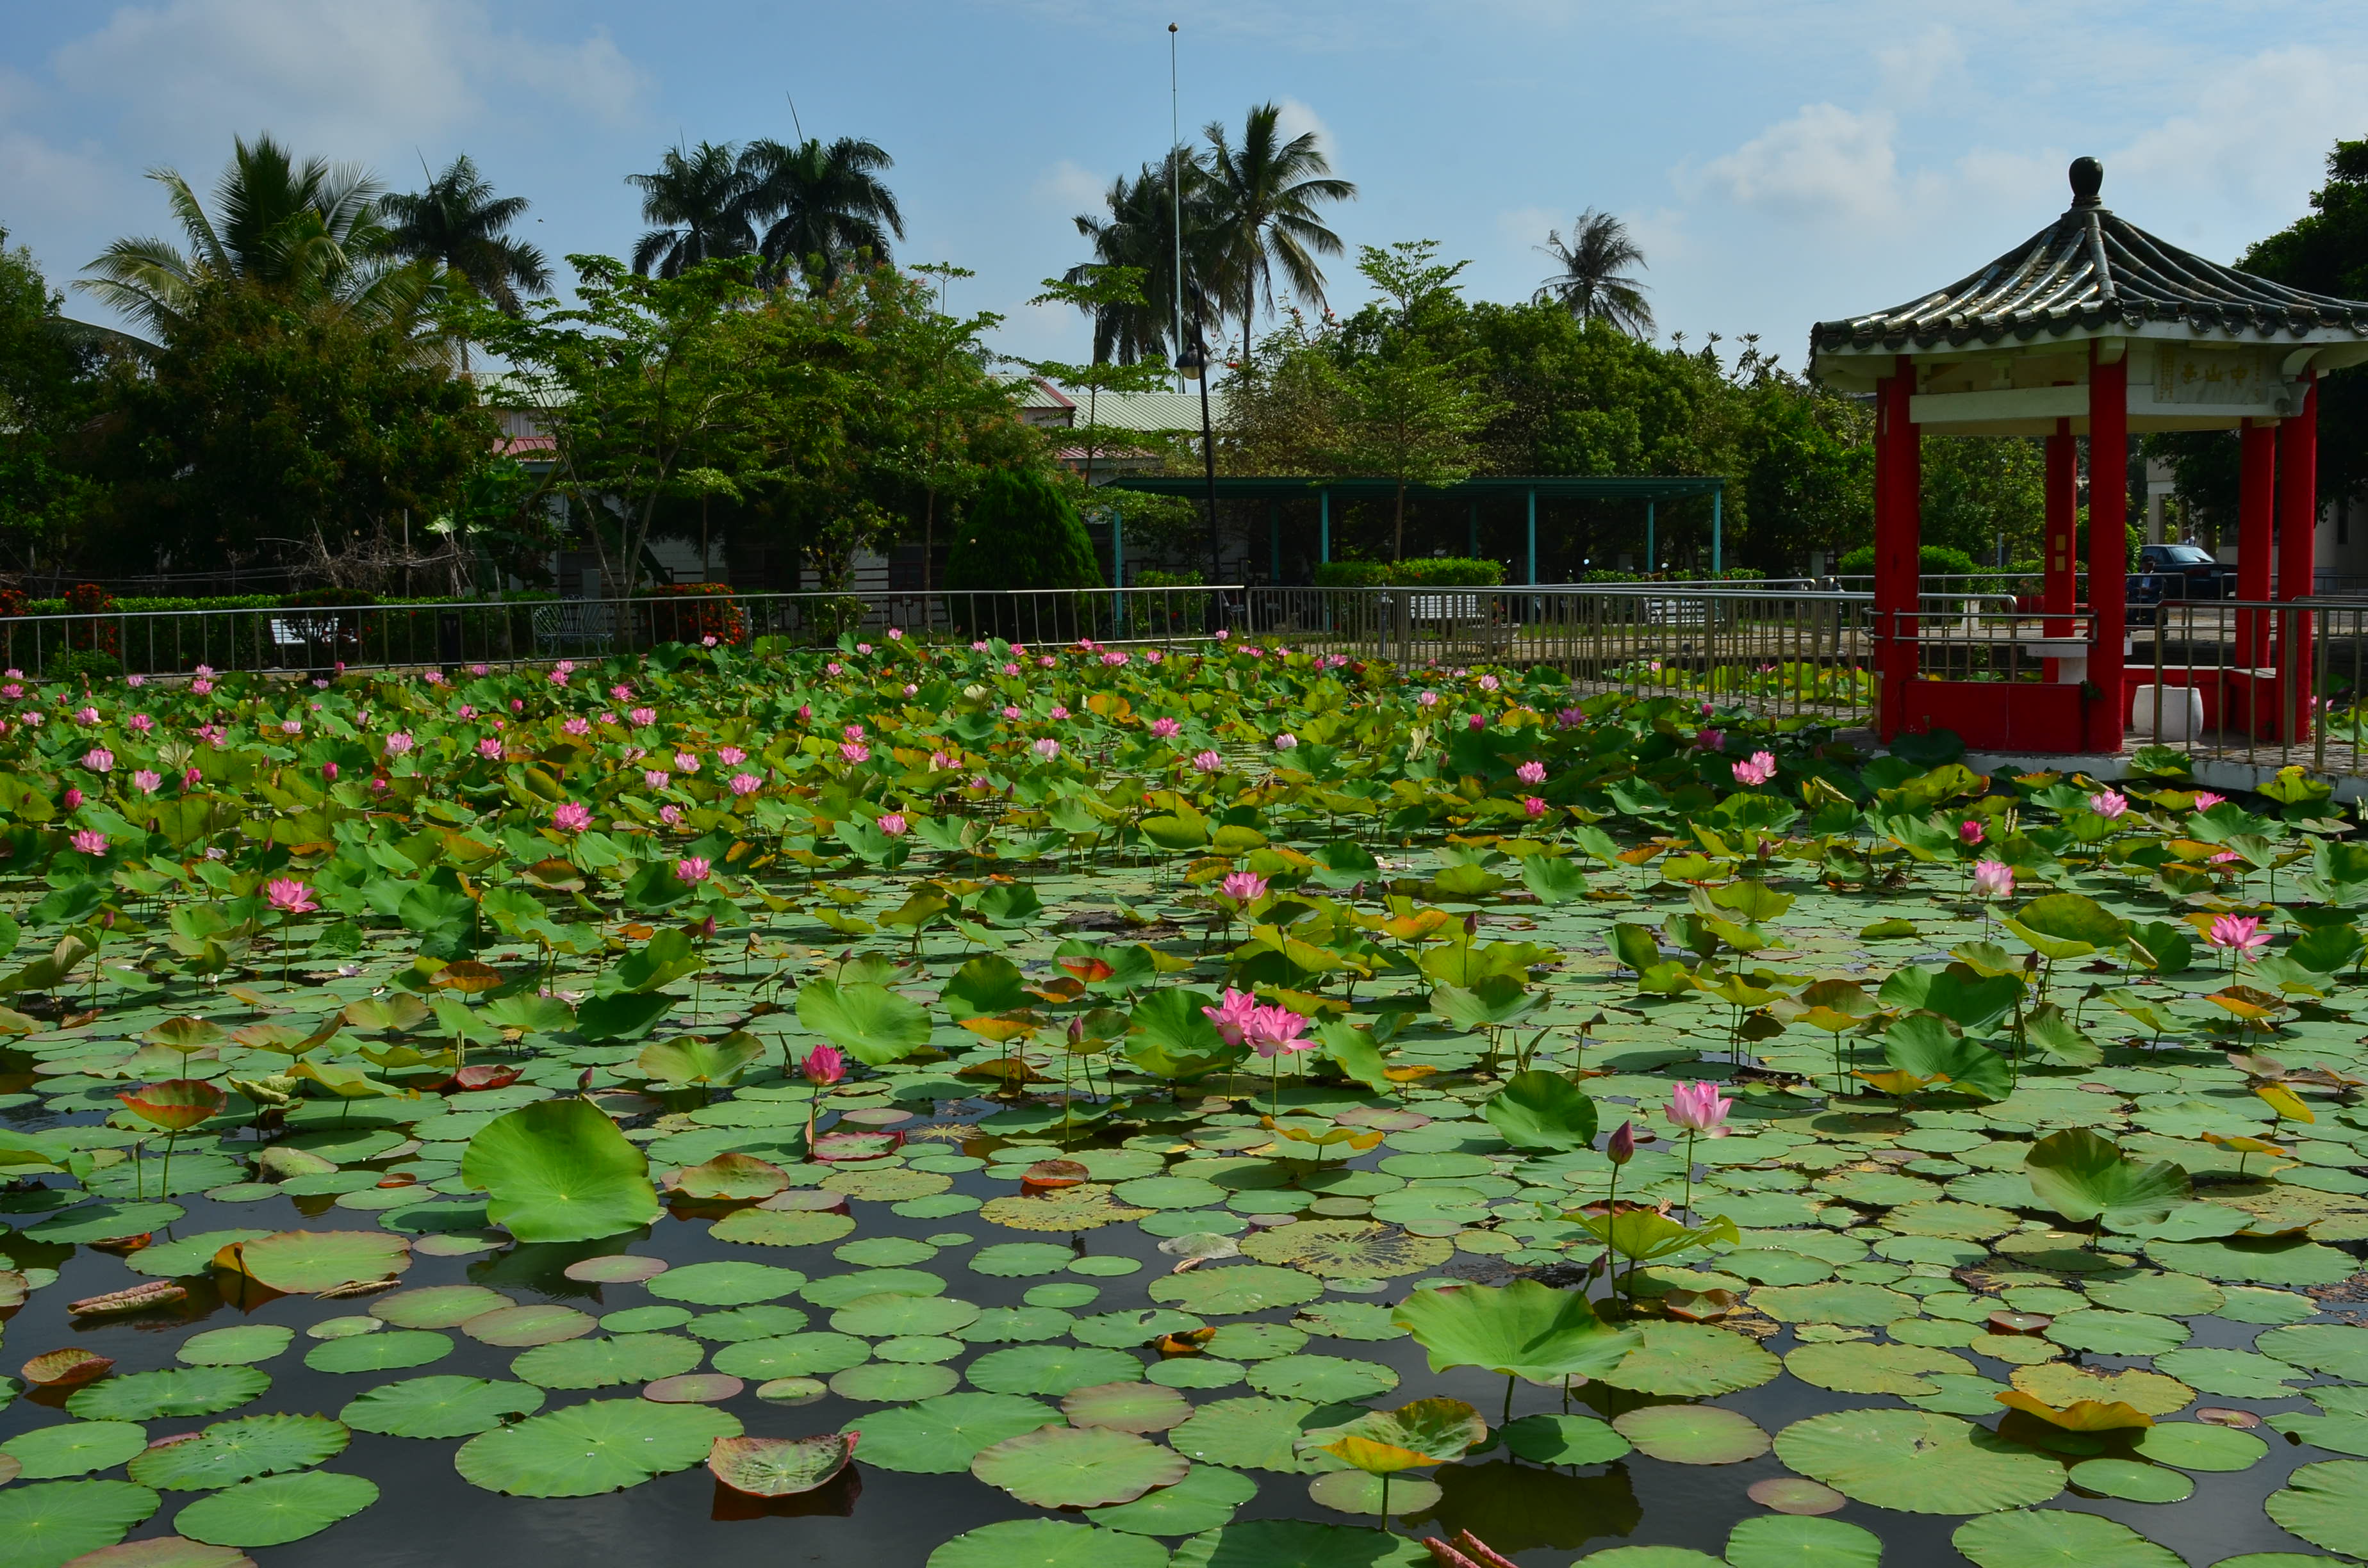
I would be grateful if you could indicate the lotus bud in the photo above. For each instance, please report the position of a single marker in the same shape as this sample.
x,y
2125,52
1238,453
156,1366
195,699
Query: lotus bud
x,y
583,1082
1077,1031
1621,1148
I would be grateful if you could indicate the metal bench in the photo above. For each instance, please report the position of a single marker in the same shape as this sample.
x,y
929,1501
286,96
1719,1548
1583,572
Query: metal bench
x,y
300,639
574,625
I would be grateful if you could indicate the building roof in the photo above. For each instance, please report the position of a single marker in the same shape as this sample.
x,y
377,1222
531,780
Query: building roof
x,y
2093,274
1281,487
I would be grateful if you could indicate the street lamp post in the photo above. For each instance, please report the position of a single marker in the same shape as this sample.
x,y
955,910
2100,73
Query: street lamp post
x,y
1193,362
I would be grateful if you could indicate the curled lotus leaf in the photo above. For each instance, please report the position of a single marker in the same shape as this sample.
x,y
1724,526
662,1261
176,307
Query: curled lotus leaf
x,y
2063,1387
70,1368
1524,1329
309,1262
559,1170
1063,1467
1419,1433
733,1176
780,1466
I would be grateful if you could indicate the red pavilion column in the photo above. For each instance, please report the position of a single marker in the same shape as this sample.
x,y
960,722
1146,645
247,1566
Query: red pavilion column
x,y
2109,462
2297,556
1898,563
2062,590
2257,485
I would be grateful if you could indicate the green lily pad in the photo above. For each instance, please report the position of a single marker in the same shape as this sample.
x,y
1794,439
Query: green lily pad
x,y
2132,1481
1524,1329
1786,1541
1565,1440
2320,1503
894,1383
175,1390
942,1434
1917,1462
1321,1379
1203,1500
302,1262
2169,1295
725,1284
444,1406
2118,1334
230,1451
1126,1331
2338,1350
559,1171
73,1448
276,1509
742,1323
1064,1467
1691,1360
1054,1369
103,1221
438,1306
1354,1492
241,1345
1228,1290
815,1354
1861,1367
46,1526
1295,1543
1258,1434
2051,1536
1692,1433
605,1363
1126,1407
388,1352
186,1254
2282,1260
2236,1374
837,1291
1359,1248
587,1449
1020,1260
781,1228
515,1328
2191,1445
1844,1305
879,1317
1046,1543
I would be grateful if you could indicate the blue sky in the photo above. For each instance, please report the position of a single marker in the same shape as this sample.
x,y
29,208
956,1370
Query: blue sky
x,y
1780,163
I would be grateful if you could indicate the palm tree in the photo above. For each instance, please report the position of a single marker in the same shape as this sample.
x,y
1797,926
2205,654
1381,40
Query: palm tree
x,y
820,206
1140,233
1264,194
306,231
458,223
700,198
1590,281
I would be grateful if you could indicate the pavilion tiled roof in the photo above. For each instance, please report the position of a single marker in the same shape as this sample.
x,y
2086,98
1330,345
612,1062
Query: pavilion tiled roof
x,y
2094,272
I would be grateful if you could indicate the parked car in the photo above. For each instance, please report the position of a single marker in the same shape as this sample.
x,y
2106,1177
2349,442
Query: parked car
x,y
2187,571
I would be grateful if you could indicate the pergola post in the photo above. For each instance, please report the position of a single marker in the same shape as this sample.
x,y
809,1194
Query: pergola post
x,y
1471,531
1118,564
1897,561
2109,549
2060,589
1533,536
1324,534
1274,541
1717,534
1651,559
2297,555
2257,485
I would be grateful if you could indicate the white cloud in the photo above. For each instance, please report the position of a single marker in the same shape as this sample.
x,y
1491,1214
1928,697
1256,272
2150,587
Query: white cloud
x,y
1069,187
1913,68
2258,140
1296,119
1826,164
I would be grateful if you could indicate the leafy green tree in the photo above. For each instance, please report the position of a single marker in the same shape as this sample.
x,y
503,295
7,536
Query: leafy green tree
x,y
821,207
1021,531
49,390
458,224
259,420
1404,412
307,232
1140,231
1591,277
1262,197
1097,291
698,201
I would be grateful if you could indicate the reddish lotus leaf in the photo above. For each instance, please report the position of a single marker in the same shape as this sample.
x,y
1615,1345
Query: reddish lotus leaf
x,y
731,1176
176,1105
155,1293
165,1551
473,1080
1088,970
780,1466
693,1388
2020,1322
2221,1415
842,1147
66,1369
616,1269
1045,1175
123,1246
467,976
806,1199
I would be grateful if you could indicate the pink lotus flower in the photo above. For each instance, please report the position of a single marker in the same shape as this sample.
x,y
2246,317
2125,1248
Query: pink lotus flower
x,y
579,725
854,752
571,816
1165,729
1233,1015
73,799
940,763
2205,799
1286,741
1209,762
1756,769
291,726
1426,699
834,668
852,732
896,634
656,778
1709,740
863,647
90,841
1534,806
1277,1031
147,781
1047,748
1475,721
1243,887
490,748
731,756
478,669
1699,1107
621,693
290,896
823,1066
201,686
2238,934
2109,804
805,712
467,712
684,762
433,677
1060,711
745,783
398,744
893,824
693,868
1012,714
1621,1147
142,723
670,815
1994,879
1011,669
1155,656
98,759
135,680
1571,719
643,716
1488,683
1970,833
85,715
1045,661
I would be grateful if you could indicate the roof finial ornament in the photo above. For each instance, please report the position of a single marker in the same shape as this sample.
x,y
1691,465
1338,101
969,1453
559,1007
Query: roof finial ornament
x,y
2087,178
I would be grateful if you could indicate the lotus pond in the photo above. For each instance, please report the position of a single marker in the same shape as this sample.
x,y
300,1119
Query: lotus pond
x,y
987,1107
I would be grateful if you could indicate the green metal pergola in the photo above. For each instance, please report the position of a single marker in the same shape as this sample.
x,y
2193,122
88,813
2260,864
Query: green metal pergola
x,y
1651,489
